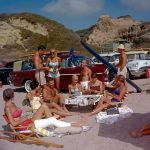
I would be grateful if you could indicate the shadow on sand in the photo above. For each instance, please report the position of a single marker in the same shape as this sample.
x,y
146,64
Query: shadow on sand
x,y
120,130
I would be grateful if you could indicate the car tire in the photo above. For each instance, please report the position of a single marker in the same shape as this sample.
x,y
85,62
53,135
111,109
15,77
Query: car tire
x,y
27,85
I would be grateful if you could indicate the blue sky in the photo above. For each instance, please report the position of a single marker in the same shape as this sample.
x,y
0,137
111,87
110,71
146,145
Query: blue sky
x,y
79,14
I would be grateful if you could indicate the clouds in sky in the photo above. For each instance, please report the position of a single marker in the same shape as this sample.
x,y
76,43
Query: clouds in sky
x,y
74,7
142,5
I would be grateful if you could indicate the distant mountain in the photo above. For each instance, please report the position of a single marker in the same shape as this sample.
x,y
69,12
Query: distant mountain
x,y
107,30
22,33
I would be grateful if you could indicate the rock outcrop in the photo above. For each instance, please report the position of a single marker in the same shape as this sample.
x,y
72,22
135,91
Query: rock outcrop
x,y
108,29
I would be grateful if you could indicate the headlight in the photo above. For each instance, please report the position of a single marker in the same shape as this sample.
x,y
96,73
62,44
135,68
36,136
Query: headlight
x,y
135,65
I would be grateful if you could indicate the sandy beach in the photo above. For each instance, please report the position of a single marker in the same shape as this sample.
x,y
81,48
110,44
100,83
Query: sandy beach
x,y
100,136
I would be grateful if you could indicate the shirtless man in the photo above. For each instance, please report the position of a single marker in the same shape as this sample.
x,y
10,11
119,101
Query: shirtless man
x,y
122,61
85,76
86,72
40,69
51,95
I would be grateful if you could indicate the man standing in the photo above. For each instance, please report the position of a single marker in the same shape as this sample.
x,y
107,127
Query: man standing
x,y
122,61
40,70
86,72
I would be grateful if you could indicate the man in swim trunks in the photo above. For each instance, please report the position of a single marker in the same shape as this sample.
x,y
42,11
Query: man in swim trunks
x,y
40,69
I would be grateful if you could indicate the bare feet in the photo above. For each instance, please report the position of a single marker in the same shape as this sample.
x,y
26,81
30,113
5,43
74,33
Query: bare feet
x,y
135,134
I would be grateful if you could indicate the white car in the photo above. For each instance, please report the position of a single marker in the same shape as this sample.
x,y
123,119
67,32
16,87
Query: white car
x,y
138,61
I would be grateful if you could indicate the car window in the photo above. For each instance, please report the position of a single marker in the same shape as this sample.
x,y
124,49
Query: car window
x,y
142,56
78,60
90,61
96,60
130,57
147,56
137,56
116,56
27,65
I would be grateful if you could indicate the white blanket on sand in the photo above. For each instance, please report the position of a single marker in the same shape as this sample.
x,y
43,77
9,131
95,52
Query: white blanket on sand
x,y
124,112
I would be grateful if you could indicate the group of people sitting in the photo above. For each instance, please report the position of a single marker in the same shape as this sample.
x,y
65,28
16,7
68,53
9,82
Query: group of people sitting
x,y
46,100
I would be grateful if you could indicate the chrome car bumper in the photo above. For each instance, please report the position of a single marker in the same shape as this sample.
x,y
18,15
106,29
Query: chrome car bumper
x,y
137,73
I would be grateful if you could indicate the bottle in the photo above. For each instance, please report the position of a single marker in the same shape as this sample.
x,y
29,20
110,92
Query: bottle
x,y
42,131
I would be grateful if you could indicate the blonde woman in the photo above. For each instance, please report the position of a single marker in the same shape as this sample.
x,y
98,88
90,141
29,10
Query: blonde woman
x,y
53,63
74,88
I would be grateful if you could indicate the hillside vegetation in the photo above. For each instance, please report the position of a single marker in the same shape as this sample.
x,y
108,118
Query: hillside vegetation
x,y
22,33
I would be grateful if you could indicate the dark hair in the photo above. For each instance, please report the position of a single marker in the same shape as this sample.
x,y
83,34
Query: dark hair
x,y
49,79
94,75
33,85
8,94
41,47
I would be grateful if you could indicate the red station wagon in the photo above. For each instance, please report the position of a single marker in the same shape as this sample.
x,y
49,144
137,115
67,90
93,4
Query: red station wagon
x,y
25,73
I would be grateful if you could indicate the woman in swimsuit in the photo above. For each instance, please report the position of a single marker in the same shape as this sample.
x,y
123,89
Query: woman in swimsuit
x,y
116,96
74,88
14,115
53,63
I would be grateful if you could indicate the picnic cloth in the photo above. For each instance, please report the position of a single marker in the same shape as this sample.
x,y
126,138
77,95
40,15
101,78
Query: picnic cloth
x,y
83,100
124,112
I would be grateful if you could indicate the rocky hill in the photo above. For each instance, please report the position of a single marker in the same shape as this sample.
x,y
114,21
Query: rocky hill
x,y
107,30
23,33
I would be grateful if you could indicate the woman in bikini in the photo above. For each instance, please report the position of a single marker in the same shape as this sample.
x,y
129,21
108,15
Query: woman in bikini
x,y
14,115
53,62
116,96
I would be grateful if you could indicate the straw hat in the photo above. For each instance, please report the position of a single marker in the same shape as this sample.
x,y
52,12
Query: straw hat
x,y
121,46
